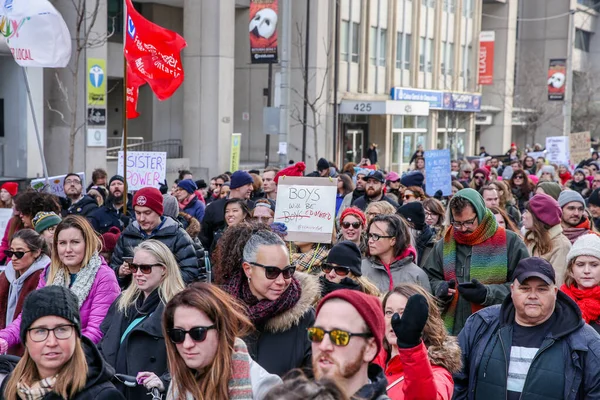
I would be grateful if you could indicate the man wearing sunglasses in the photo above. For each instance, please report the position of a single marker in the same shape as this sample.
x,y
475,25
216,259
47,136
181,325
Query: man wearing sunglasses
x,y
346,338
375,183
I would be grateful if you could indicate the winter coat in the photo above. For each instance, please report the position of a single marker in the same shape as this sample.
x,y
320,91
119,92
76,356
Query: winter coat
x,y
424,244
567,366
103,292
363,202
98,385
214,219
403,271
426,372
5,244
514,214
285,334
146,350
558,255
434,267
170,233
375,389
84,207
348,201
195,208
107,216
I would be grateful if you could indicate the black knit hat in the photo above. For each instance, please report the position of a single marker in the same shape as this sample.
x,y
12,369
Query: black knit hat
x,y
322,164
116,178
594,198
346,254
414,213
50,300
414,178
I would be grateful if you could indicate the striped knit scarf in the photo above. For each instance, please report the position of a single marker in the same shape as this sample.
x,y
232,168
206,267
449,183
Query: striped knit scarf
x,y
488,258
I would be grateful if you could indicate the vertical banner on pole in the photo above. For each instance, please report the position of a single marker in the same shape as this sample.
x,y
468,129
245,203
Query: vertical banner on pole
x,y
96,82
486,57
236,142
557,79
263,31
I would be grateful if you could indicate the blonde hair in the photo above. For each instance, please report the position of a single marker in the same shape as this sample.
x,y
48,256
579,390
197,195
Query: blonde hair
x,y
383,207
366,285
170,284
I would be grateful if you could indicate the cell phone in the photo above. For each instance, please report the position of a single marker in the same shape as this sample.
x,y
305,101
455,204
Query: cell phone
x,y
128,260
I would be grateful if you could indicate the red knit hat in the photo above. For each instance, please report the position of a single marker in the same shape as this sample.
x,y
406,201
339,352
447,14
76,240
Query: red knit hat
x,y
295,170
149,197
355,212
483,171
546,209
11,187
369,307
109,239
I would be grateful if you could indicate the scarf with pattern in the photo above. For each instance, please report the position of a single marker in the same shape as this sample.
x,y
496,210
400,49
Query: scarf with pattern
x,y
84,281
37,391
489,260
574,232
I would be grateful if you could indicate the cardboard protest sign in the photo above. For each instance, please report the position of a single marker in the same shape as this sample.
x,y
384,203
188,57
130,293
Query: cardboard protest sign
x,y
307,207
579,146
144,169
437,172
557,149
56,184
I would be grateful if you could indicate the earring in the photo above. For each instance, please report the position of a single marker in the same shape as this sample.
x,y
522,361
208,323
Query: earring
x,y
248,279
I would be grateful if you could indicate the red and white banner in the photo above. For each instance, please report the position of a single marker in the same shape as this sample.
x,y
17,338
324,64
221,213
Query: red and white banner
x,y
557,79
134,81
486,57
263,31
153,53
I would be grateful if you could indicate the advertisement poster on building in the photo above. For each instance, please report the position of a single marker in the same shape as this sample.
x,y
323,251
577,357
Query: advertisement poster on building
x,y
263,31
486,57
557,79
96,82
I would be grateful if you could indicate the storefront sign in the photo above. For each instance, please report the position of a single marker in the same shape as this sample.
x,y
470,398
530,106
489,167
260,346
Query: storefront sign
x,y
439,100
96,116
437,172
486,57
144,168
263,31
387,107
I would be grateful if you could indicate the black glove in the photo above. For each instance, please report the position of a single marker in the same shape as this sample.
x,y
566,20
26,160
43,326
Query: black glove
x,y
164,187
473,291
409,328
442,290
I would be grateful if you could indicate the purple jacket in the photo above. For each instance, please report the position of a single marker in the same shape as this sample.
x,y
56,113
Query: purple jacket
x,y
103,293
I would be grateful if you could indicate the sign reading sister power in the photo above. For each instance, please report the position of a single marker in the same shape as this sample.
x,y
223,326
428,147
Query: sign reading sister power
x,y
307,207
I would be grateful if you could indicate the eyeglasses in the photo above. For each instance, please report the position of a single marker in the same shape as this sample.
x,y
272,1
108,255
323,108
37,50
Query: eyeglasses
x,y
197,333
376,237
347,225
409,196
145,268
18,254
61,332
219,184
467,224
519,177
339,271
479,177
72,182
337,336
273,272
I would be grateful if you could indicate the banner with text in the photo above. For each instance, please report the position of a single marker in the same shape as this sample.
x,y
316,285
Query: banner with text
x,y
437,172
557,149
307,207
486,57
144,168
579,146
56,184
263,31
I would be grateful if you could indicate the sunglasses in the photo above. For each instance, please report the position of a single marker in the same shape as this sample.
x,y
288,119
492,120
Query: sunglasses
x,y
145,268
197,333
479,177
18,254
347,225
272,273
519,177
339,271
409,196
337,336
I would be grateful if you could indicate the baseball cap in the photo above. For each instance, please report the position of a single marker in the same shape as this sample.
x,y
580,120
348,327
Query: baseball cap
x,y
534,267
377,175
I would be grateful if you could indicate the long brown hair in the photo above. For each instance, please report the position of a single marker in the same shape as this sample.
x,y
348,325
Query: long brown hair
x,y
510,224
539,231
230,322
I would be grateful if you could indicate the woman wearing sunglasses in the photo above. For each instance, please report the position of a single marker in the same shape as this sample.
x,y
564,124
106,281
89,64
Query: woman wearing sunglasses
x,y
352,225
207,358
279,302
28,256
133,343
76,265
522,188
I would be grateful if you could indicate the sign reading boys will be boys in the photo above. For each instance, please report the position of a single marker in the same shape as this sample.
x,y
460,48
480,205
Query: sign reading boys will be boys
x,y
144,168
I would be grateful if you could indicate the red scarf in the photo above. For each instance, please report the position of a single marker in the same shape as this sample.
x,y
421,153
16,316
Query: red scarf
x,y
588,301
184,204
565,177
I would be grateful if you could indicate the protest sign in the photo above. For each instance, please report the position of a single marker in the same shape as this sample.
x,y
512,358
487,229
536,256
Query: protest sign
x,y
579,146
536,154
557,149
307,207
437,172
144,169
5,216
56,184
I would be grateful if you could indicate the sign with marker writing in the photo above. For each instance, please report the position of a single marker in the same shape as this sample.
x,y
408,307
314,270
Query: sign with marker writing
x,y
437,172
144,169
307,207
56,184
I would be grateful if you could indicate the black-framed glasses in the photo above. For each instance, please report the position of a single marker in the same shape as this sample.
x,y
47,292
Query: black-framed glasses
x,y
467,224
61,332
197,333
273,272
145,268
339,271
72,182
337,336
18,254
376,237
347,225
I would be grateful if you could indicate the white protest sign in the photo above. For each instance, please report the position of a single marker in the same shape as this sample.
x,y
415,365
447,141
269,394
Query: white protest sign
x,y
536,154
307,207
144,169
56,184
557,149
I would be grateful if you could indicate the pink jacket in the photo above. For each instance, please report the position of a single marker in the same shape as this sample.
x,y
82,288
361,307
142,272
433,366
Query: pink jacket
x,y
103,293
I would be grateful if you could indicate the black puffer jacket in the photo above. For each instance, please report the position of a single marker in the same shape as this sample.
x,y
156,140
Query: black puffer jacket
x,y
172,235
83,207
214,219
107,216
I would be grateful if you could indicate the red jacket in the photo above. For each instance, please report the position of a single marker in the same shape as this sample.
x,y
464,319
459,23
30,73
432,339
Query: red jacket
x,y
422,380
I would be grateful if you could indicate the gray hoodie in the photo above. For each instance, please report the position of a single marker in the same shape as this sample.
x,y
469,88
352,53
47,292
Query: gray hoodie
x,y
17,283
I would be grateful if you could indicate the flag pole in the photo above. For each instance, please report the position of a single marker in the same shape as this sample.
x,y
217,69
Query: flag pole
x,y
35,125
124,110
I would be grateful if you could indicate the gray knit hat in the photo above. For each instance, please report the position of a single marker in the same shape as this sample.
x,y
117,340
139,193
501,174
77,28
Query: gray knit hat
x,y
569,196
170,206
586,245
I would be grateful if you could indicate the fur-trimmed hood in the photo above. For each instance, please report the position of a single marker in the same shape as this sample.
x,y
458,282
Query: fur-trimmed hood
x,y
311,292
193,226
448,356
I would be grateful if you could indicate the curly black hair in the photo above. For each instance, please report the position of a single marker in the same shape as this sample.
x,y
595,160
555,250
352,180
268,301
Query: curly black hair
x,y
31,202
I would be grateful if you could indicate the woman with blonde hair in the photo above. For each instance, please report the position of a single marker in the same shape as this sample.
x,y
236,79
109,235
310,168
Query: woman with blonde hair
x,y
76,265
207,357
133,343
379,208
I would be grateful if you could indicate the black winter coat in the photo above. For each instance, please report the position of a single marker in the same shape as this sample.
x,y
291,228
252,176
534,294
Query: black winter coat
x,y
83,207
172,235
363,202
105,217
214,219
146,349
98,385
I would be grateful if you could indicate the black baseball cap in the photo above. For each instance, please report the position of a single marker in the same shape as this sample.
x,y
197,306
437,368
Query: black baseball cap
x,y
377,175
534,267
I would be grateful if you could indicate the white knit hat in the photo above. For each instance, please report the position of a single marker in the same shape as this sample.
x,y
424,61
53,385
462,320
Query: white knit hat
x,y
586,245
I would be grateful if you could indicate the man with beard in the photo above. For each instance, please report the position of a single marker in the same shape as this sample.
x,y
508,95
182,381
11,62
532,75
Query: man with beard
x,y
358,191
375,182
79,204
346,338
575,222
111,213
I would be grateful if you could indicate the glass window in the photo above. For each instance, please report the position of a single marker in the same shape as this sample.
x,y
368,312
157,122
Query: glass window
x,y
344,41
582,40
450,67
449,5
443,58
382,46
114,14
422,124
430,51
421,54
397,124
373,44
399,49
355,41
408,50
409,121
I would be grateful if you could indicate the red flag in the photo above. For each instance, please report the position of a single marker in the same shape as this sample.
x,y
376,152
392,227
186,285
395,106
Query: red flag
x,y
153,53
134,81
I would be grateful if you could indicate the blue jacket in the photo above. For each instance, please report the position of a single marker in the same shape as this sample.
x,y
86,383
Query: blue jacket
x,y
573,348
196,209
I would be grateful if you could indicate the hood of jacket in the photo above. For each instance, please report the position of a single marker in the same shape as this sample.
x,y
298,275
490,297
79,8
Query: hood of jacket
x,y
553,232
408,257
193,226
42,262
447,356
376,387
168,228
311,292
98,370
85,200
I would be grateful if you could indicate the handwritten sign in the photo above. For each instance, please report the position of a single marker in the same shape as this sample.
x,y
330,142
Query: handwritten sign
x,y
144,168
56,184
579,146
307,207
557,149
437,172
